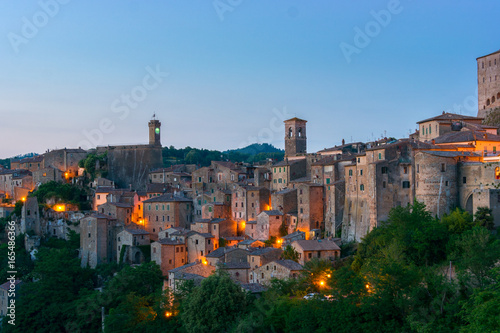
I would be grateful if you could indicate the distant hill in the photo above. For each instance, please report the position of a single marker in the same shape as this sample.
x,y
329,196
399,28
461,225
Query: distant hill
x,y
255,149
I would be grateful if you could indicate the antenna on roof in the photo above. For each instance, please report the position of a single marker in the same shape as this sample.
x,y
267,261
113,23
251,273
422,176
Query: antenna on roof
x,y
154,116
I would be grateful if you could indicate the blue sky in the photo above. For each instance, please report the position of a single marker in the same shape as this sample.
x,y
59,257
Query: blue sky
x,y
229,71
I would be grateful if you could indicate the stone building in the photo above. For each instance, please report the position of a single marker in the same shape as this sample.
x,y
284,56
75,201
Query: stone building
x,y
261,256
285,201
238,271
488,82
169,254
377,181
30,217
131,239
444,123
278,269
65,160
310,202
117,210
46,175
330,172
268,224
193,271
98,234
166,211
199,245
129,166
16,183
216,210
248,202
286,171
217,227
321,249
28,163
295,137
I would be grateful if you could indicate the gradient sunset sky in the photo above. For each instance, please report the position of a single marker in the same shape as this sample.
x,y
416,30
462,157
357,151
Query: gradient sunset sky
x,y
228,71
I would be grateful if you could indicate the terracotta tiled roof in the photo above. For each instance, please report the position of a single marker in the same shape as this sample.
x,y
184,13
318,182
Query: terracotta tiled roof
x,y
449,117
290,264
466,136
317,245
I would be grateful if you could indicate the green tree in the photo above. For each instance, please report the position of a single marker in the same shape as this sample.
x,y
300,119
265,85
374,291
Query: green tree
x,y
290,253
215,306
475,253
458,221
484,218
48,303
482,311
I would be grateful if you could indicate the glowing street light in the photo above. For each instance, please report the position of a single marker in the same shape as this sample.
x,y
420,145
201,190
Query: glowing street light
x,y
23,199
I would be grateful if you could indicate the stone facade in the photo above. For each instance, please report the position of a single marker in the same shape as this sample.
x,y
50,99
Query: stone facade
x,y
295,137
278,269
199,245
321,249
488,81
268,224
98,240
131,239
169,254
310,207
166,211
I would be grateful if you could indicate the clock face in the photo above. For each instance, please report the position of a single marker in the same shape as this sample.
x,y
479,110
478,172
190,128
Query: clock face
x,y
157,130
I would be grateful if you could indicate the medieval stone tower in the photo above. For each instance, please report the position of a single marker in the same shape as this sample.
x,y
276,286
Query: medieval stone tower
x,y
488,83
154,132
295,137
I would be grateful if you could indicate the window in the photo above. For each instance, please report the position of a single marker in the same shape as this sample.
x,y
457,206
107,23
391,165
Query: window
x,y
328,180
196,241
98,196
383,185
405,170
497,173
361,172
464,180
418,168
446,183
309,255
384,169
406,184
361,187
443,167
350,172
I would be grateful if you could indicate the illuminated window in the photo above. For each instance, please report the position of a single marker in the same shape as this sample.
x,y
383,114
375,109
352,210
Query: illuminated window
x,y
497,173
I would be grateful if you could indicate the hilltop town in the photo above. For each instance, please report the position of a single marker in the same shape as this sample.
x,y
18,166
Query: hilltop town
x,y
257,222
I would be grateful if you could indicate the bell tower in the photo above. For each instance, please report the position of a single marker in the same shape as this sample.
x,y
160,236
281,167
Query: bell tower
x,y
154,132
295,137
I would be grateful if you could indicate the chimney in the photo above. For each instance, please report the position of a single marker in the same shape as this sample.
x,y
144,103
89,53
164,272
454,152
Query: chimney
x,y
343,142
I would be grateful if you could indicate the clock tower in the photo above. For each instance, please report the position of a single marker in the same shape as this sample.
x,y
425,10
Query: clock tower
x,y
154,132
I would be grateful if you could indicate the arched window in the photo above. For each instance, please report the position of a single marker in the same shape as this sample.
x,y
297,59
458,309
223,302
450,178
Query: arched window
x,y
498,95
487,102
493,99
290,132
497,173
300,132
361,187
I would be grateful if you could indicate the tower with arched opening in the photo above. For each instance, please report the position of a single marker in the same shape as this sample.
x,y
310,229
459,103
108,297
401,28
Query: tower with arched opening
x,y
295,137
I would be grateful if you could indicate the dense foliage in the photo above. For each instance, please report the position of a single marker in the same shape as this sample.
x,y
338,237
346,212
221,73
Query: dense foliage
x,y
251,154
399,280
66,193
